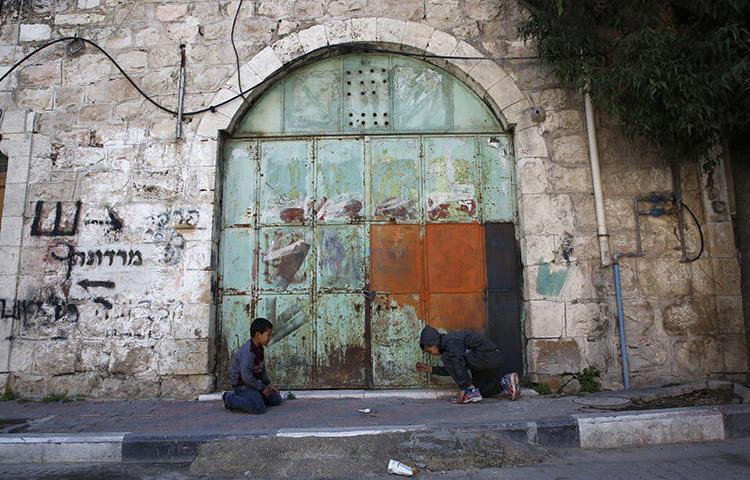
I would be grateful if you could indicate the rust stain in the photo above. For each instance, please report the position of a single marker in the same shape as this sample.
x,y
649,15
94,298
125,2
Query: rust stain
x,y
455,258
395,258
293,215
457,311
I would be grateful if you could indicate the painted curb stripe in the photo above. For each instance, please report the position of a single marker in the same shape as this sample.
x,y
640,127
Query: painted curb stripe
x,y
346,432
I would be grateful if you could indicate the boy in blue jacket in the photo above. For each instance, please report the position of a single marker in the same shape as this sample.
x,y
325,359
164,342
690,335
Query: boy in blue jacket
x,y
252,389
472,360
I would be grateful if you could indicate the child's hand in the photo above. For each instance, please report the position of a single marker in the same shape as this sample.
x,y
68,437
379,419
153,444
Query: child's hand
x,y
423,367
268,391
461,396
274,388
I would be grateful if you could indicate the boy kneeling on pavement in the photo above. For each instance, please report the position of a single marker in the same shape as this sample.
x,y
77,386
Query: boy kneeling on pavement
x,y
465,352
252,389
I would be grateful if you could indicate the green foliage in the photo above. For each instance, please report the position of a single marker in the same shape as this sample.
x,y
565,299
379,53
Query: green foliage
x,y
56,397
9,395
675,72
541,388
589,380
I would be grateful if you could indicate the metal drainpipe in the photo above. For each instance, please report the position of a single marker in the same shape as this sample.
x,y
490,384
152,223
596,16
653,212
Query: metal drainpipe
x,y
621,323
601,221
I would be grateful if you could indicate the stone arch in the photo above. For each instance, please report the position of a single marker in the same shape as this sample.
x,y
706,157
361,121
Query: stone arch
x,y
491,83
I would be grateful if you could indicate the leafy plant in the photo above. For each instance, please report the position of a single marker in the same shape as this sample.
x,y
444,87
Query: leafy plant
x,y
588,379
675,72
541,388
9,395
55,397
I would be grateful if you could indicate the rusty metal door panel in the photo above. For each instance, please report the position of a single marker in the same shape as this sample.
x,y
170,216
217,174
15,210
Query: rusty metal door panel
x,y
395,179
341,263
240,175
312,98
285,182
342,350
367,93
237,260
423,97
397,320
339,180
496,157
457,311
451,179
291,352
284,258
455,258
396,258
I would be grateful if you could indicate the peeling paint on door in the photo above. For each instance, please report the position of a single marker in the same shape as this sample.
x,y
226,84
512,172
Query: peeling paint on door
x,y
354,214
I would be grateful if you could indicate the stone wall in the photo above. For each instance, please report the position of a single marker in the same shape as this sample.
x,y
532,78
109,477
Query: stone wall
x,y
108,240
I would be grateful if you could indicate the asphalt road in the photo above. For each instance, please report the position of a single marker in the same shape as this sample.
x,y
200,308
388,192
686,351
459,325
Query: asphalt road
x,y
727,460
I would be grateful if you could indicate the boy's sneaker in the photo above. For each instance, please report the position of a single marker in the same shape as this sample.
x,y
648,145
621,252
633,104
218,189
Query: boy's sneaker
x,y
472,395
510,385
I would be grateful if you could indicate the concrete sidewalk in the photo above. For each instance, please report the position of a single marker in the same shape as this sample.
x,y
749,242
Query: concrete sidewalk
x,y
493,432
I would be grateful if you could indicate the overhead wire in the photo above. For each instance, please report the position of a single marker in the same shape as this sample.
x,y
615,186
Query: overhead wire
x,y
212,107
700,232
234,47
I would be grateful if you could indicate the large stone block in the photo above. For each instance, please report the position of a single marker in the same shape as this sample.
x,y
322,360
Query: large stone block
x,y
730,314
570,149
148,386
554,357
698,356
131,359
184,357
197,321
73,386
29,386
34,32
734,348
545,319
186,387
688,319
663,277
587,319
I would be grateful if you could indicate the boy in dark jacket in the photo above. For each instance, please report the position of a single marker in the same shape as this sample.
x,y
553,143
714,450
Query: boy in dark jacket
x,y
252,389
472,360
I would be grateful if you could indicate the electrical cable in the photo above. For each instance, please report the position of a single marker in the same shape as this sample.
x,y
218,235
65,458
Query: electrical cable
x,y
210,108
236,54
700,232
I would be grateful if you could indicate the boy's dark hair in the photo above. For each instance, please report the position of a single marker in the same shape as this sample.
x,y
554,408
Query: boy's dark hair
x,y
260,325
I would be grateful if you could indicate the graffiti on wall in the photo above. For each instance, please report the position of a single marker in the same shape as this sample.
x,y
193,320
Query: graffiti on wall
x,y
97,258
64,221
164,228
47,312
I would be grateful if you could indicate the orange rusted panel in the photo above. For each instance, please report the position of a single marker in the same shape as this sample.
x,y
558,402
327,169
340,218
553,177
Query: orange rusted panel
x,y
455,258
395,258
457,311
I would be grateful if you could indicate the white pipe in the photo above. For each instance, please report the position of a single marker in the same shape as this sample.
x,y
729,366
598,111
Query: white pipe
x,y
601,221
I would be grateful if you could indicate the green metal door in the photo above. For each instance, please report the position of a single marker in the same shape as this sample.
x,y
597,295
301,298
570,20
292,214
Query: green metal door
x,y
350,224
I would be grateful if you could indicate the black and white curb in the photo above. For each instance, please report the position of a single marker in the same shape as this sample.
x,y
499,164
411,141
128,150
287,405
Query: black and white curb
x,y
610,430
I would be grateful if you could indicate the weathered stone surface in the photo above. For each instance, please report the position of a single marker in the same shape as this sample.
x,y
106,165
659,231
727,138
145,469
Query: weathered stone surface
x,y
186,387
554,357
545,319
96,140
684,319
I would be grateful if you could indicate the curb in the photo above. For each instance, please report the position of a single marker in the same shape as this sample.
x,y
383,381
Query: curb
x,y
611,430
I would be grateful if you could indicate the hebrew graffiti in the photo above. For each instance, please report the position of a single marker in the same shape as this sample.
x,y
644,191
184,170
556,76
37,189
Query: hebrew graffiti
x,y
63,224
41,313
98,258
163,228
113,222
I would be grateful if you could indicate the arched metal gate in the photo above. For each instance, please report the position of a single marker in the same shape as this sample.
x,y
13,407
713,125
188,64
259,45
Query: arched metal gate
x,y
364,196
